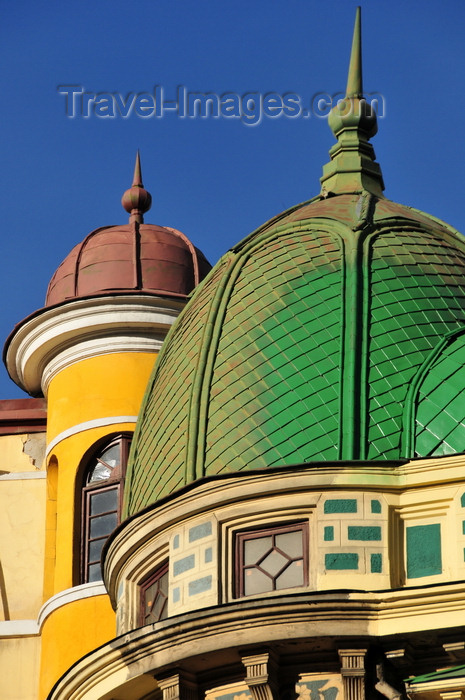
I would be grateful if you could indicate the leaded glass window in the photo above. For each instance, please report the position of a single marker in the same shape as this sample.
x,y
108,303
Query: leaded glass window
x,y
271,559
154,594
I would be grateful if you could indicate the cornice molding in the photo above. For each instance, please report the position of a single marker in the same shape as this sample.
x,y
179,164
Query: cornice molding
x,y
215,631
69,595
46,343
89,425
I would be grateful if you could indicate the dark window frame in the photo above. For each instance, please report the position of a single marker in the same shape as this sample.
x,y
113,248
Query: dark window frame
x,y
155,576
88,489
271,530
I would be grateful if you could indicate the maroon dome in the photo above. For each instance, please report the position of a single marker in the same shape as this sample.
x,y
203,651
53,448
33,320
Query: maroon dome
x,y
130,258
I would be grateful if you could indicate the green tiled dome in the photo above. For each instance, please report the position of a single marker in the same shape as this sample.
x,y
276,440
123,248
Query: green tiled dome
x,y
322,336
333,332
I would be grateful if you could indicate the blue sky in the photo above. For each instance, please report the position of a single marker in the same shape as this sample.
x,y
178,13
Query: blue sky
x,y
214,179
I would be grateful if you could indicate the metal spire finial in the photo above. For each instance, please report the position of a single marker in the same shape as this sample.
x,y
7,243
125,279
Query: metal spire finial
x,y
353,167
354,78
137,200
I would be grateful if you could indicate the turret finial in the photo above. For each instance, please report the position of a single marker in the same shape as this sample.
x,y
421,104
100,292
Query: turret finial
x,y
354,79
352,167
137,200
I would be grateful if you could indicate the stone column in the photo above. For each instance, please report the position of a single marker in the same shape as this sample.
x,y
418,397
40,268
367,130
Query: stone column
x,y
178,686
353,673
261,676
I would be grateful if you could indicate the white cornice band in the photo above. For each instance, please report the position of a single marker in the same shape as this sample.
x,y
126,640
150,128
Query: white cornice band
x,y
88,425
18,628
57,337
70,595
20,476
31,628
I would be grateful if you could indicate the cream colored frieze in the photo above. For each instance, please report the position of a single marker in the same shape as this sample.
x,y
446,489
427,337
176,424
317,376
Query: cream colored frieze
x,y
359,537
318,686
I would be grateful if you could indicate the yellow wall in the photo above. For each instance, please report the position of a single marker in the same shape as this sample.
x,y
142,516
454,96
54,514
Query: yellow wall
x,y
22,523
14,450
98,387
94,389
19,667
22,528
70,632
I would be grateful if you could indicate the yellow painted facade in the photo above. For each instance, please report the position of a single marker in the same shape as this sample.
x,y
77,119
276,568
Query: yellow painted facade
x,y
99,387
70,632
50,621
93,390
22,528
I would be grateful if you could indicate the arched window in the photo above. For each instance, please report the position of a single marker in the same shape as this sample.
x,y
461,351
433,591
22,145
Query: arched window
x,y
154,596
102,495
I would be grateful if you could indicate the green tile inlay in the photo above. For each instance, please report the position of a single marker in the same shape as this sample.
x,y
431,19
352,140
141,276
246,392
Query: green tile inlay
x,y
200,585
376,563
329,533
199,531
341,505
375,506
364,532
462,500
182,565
424,550
463,527
338,561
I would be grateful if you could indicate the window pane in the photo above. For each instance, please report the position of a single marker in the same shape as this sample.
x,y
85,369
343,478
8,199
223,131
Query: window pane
x,y
157,608
95,550
163,583
256,582
155,604
103,525
271,559
99,473
273,563
292,576
95,572
111,456
103,501
291,543
255,549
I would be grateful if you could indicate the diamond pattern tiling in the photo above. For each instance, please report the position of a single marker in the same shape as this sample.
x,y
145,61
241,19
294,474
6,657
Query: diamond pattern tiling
x,y
440,415
159,456
417,296
295,342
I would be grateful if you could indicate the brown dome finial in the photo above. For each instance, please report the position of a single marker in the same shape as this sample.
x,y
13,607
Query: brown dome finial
x,y
137,200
